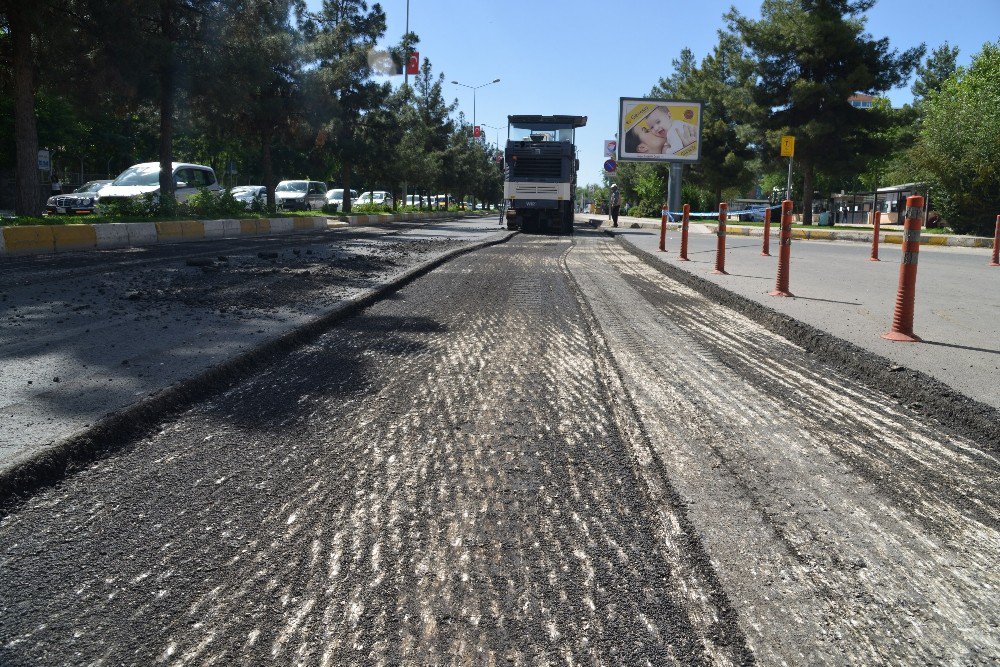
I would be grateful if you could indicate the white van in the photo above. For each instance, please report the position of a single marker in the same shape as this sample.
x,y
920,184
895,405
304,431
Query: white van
x,y
142,179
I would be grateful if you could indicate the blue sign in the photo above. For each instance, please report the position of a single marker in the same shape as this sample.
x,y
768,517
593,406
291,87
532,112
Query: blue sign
x,y
610,166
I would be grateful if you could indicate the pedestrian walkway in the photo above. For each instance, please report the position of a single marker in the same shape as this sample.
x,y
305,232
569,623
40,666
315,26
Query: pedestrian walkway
x,y
838,290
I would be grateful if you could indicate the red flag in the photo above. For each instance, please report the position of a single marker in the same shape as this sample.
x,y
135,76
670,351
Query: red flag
x,y
413,64
477,132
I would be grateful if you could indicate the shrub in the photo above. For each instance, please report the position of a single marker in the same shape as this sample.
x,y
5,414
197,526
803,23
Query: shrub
x,y
144,206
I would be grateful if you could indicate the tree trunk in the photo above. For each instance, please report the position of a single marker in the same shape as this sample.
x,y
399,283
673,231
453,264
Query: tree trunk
x,y
807,193
346,184
27,198
167,92
265,158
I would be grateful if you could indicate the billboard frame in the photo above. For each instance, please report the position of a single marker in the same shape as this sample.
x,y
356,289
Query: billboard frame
x,y
657,157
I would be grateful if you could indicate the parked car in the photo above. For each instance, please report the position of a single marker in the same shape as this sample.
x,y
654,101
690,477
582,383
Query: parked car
x,y
248,194
375,197
80,202
336,197
300,195
142,179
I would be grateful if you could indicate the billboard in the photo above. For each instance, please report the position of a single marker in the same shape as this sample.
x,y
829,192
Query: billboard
x,y
659,130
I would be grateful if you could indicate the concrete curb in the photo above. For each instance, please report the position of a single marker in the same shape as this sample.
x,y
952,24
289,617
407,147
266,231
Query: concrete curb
x,y
383,218
42,239
58,459
955,410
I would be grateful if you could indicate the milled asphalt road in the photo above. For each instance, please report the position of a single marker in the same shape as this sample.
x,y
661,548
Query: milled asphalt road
x,y
85,334
542,452
838,290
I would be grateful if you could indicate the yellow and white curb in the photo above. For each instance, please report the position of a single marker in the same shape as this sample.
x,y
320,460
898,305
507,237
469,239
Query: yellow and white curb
x,y
863,236
41,239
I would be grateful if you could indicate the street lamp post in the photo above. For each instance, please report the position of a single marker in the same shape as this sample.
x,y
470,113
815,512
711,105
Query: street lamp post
x,y
494,127
474,88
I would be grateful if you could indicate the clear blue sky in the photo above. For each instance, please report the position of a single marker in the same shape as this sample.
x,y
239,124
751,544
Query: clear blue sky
x,y
579,56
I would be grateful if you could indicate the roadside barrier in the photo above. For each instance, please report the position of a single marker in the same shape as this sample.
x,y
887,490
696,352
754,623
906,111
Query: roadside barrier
x,y
784,250
766,247
720,245
663,228
877,222
684,232
995,261
902,317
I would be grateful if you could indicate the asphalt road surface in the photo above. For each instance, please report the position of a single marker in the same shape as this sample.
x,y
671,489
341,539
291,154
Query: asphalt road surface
x,y
544,452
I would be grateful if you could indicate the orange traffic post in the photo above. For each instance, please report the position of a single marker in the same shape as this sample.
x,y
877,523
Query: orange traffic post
x,y
784,250
766,248
996,245
684,232
720,246
877,221
902,317
663,228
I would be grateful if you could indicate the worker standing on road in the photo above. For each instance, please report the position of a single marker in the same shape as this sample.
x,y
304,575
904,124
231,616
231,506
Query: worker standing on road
x,y
615,202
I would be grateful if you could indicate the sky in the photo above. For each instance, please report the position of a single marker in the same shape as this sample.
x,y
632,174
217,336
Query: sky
x,y
578,57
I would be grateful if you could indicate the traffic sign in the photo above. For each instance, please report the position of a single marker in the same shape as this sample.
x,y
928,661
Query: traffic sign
x,y
787,146
610,166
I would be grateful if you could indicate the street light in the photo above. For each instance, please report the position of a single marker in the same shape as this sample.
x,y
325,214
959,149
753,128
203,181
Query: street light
x,y
494,127
474,88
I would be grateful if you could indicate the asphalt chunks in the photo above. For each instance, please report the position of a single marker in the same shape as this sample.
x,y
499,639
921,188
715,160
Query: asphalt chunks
x,y
440,480
843,527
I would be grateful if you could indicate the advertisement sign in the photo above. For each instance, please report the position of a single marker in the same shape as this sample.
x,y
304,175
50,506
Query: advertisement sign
x,y
44,164
610,147
477,131
659,130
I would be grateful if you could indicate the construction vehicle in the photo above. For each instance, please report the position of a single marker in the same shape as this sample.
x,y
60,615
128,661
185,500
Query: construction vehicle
x,y
540,166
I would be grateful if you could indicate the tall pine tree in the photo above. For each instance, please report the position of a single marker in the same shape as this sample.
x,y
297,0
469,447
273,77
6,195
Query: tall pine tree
x,y
809,57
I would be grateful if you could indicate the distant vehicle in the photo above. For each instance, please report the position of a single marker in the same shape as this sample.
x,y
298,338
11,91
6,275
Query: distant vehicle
x,y
375,197
80,202
143,179
540,177
336,197
300,195
248,194
417,200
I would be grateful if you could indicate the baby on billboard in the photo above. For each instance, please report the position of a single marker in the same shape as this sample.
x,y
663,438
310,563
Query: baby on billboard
x,y
654,129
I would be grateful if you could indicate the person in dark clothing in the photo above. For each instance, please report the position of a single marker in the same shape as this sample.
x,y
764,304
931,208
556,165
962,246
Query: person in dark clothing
x,y
615,201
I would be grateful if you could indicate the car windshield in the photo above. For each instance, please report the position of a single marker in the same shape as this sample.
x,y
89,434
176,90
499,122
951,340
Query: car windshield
x,y
141,174
246,190
335,194
93,186
291,186
541,133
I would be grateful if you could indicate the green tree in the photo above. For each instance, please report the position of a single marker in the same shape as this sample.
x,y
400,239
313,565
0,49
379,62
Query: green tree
x,y
809,57
342,36
958,147
20,25
931,75
251,90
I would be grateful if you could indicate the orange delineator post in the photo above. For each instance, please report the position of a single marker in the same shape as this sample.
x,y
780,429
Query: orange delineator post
x,y
684,233
720,246
784,250
877,221
996,245
902,317
663,228
766,248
